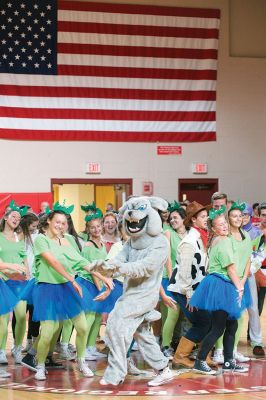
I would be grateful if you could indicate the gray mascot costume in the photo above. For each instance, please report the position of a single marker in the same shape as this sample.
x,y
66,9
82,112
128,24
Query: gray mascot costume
x,y
141,263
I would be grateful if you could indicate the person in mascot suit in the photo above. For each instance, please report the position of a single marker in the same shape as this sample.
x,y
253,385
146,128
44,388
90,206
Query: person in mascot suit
x,y
141,263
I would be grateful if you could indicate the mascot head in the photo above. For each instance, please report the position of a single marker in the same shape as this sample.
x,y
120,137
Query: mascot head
x,y
141,217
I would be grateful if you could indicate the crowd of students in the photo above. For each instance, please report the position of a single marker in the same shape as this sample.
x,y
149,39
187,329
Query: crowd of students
x,y
216,269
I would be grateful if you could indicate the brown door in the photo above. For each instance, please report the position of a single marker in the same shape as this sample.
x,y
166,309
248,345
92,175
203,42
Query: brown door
x,y
199,189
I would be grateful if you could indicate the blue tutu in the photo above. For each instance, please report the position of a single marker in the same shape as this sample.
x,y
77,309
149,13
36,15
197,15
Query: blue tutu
x,y
56,302
90,291
165,284
7,299
27,292
16,286
109,303
216,292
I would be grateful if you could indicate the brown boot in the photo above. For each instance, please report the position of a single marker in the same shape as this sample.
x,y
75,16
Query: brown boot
x,y
181,357
210,362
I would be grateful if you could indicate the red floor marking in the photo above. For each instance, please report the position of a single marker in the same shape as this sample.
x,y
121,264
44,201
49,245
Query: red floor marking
x,y
70,381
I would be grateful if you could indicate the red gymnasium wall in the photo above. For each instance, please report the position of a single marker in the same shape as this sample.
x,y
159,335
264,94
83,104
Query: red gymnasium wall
x,y
32,199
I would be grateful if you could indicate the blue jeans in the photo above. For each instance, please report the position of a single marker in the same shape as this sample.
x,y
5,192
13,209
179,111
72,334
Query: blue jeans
x,y
200,319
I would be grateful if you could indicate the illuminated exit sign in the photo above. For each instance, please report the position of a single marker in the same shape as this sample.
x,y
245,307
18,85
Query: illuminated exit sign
x,y
93,168
198,168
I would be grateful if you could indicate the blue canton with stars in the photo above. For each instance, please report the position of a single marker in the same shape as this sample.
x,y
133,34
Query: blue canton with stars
x,y
28,37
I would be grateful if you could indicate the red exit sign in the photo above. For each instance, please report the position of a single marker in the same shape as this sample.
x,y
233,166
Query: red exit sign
x,y
198,168
169,150
93,168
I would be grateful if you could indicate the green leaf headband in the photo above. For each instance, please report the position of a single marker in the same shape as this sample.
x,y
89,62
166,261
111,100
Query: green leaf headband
x,y
89,207
173,206
97,215
216,213
60,207
14,207
237,206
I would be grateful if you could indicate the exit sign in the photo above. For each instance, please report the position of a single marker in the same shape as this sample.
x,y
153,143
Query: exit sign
x,y
93,168
198,168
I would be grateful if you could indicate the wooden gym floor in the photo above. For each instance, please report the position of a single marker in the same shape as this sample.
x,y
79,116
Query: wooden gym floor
x,y
68,384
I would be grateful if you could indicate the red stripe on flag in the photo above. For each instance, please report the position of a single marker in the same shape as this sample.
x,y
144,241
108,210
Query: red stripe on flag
x,y
22,134
141,30
134,51
138,9
51,91
130,72
128,115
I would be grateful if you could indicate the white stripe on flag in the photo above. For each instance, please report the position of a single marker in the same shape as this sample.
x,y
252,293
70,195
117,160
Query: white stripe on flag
x,y
107,104
143,41
137,19
107,125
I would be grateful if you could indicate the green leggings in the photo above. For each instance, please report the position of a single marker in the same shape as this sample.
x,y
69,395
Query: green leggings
x,y
3,330
219,343
169,326
67,331
20,329
93,325
49,332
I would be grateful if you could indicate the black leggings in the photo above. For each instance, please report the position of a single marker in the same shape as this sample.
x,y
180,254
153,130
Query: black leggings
x,y
220,325
33,327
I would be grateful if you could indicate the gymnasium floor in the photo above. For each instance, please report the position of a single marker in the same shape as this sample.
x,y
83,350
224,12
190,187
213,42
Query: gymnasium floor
x,y
68,384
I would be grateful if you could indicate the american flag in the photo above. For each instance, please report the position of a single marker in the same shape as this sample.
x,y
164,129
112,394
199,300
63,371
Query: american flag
x,y
72,70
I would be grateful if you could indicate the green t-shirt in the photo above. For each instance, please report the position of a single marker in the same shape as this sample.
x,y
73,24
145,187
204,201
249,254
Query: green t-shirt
x,y
221,255
72,241
11,252
68,256
92,253
174,242
84,236
242,251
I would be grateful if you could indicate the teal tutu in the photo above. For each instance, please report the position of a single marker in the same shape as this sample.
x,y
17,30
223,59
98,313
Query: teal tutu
x,y
7,298
215,292
56,302
165,284
90,291
16,286
27,292
109,303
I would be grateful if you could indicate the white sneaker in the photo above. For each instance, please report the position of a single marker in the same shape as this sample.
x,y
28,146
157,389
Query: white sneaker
x,y
17,354
57,348
218,356
240,357
4,374
40,374
89,356
94,353
84,369
168,352
133,370
71,348
65,353
164,376
3,359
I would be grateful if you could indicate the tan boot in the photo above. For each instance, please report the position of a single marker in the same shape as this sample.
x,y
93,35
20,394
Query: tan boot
x,y
181,357
210,362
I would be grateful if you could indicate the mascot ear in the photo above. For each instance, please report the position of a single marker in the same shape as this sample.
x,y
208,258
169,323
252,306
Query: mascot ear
x,y
158,203
123,208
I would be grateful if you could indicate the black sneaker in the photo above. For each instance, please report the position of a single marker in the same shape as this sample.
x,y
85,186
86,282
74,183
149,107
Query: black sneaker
x,y
232,366
52,364
29,361
201,367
